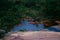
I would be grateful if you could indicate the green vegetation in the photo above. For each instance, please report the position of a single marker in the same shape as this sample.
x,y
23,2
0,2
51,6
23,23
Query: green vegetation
x,y
11,11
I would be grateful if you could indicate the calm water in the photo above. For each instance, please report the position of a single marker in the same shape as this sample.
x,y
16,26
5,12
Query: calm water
x,y
27,27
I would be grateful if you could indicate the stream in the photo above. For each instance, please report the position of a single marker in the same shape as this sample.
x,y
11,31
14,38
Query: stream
x,y
26,26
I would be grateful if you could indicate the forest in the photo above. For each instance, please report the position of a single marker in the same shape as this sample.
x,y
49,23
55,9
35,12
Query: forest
x,y
11,11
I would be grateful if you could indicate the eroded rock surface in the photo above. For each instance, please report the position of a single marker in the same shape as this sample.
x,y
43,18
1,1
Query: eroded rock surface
x,y
37,35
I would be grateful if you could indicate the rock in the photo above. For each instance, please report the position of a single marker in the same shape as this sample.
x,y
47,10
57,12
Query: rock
x,y
1,30
36,35
1,39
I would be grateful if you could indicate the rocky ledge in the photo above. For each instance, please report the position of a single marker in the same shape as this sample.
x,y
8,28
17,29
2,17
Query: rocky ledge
x,y
36,35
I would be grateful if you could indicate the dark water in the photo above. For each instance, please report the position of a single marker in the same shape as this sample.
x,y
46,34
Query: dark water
x,y
27,27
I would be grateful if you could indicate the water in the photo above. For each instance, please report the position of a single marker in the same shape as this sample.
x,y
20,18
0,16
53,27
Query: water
x,y
27,27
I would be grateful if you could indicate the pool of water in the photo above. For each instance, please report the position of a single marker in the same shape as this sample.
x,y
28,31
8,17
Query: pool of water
x,y
26,26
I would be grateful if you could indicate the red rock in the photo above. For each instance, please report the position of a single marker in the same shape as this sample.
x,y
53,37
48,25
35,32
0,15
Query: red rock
x,y
34,22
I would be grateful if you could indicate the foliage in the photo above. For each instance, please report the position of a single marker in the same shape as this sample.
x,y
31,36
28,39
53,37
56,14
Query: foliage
x,y
11,11
52,11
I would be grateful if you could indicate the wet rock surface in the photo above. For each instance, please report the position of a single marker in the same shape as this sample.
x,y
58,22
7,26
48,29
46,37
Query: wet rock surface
x,y
36,35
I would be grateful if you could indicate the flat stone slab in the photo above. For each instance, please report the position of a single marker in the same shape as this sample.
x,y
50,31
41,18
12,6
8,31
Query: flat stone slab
x,y
36,35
